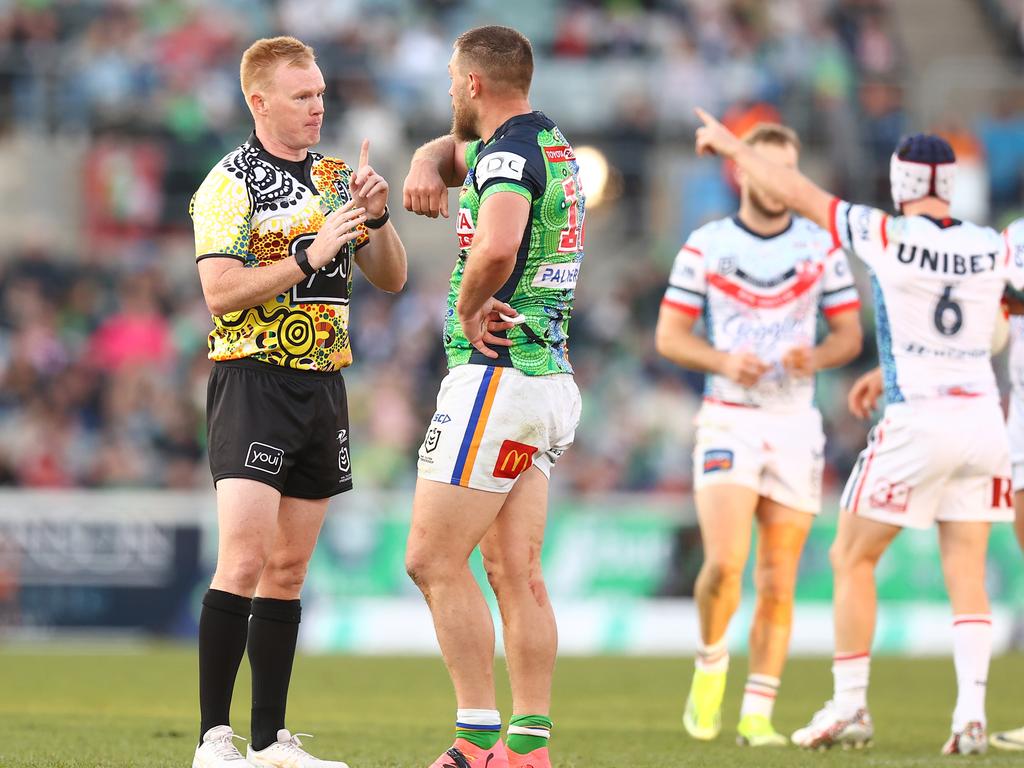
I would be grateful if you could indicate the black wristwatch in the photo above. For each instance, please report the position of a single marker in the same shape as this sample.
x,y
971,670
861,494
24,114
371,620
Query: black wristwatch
x,y
380,222
303,261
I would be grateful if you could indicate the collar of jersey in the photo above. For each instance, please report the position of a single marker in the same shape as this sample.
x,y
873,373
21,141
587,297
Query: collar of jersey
x,y
504,127
945,223
739,223
254,142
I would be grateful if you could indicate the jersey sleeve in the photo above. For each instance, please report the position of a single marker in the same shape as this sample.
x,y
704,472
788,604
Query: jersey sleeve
x,y
221,216
839,292
687,284
860,229
510,166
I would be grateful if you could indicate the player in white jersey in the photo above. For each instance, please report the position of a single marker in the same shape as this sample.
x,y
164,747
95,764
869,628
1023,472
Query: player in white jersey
x,y
940,453
760,280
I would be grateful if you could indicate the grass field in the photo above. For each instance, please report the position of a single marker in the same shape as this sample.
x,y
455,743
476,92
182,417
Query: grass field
x,y
62,709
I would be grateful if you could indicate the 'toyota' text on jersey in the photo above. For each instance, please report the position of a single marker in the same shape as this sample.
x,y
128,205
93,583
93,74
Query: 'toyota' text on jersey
x,y
527,155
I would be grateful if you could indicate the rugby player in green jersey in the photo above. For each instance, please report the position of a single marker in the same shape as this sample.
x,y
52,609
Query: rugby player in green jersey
x,y
508,408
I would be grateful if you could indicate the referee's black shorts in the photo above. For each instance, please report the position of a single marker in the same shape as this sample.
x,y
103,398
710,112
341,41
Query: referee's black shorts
x,y
283,427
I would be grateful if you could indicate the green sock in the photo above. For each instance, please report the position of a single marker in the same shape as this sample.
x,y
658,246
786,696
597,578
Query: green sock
x,y
528,732
481,727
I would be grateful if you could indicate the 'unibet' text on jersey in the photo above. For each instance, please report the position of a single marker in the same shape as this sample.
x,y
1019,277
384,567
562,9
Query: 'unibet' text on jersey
x,y
937,286
529,156
761,295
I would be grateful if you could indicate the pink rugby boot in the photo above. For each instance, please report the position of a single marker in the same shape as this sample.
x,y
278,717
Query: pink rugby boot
x,y
466,754
536,759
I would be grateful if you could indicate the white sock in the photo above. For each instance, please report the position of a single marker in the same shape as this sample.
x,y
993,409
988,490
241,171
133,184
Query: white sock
x,y
972,651
759,696
713,657
488,720
850,676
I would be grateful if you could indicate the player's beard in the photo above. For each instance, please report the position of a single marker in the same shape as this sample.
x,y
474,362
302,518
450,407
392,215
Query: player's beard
x,y
773,210
463,122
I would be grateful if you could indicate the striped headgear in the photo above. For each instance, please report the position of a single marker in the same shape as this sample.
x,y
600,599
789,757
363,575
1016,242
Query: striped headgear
x,y
923,165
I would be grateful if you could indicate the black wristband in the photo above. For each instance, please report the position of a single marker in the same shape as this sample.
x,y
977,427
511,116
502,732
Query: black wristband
x,y
378,223
303,261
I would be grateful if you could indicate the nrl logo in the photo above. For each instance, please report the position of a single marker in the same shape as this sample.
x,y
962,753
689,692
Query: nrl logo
x,y
433,436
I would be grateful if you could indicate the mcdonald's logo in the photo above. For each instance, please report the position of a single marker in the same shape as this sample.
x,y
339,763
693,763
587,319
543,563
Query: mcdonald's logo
x,y
513,459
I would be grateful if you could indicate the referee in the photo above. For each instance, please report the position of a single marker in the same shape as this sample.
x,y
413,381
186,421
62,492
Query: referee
x,y
277,230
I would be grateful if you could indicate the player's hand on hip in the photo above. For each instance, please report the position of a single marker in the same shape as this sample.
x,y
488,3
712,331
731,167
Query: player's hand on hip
x,y
339,227
799,361
745,368
713,138
424,191
865,393
481,326
369,188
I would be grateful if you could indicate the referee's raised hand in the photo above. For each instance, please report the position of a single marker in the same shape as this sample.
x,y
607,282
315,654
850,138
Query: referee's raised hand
x,y
339,227
369,188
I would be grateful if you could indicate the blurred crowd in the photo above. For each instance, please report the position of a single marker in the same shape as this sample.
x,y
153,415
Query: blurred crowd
x,y
102,345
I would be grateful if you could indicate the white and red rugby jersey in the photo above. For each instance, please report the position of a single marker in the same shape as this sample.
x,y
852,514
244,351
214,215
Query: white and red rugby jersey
x,y
937,285
761,295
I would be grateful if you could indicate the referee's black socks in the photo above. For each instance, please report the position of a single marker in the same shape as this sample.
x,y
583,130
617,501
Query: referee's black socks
x,y
273,631
223,625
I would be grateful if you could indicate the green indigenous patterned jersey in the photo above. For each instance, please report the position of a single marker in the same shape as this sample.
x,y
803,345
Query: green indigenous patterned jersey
x,y
529,156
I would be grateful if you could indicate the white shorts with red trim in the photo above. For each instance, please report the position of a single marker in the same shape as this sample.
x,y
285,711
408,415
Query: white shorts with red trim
x,y
1015,428
492,424
946,459
778,453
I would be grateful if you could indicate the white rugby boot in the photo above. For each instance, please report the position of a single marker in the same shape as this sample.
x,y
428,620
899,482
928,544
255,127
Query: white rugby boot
x,y
218,750
287,752
827,729
970,741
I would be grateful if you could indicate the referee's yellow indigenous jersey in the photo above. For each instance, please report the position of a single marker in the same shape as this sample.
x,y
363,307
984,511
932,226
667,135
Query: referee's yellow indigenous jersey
x,y
260,209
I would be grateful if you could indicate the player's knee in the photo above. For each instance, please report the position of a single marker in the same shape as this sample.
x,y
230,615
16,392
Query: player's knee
x,y
722,574
497,573
775,602
847,558
423,568
506,575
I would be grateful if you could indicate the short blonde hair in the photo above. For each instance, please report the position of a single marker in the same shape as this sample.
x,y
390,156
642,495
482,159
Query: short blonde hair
x,y
772,133
261,57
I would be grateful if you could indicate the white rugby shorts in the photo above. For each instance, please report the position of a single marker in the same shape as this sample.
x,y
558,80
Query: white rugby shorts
x,y
945,459
493,423
779,454
1015,428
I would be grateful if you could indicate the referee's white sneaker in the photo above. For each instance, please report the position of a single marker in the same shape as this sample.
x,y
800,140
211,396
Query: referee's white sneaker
x,y
287,752
218,750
